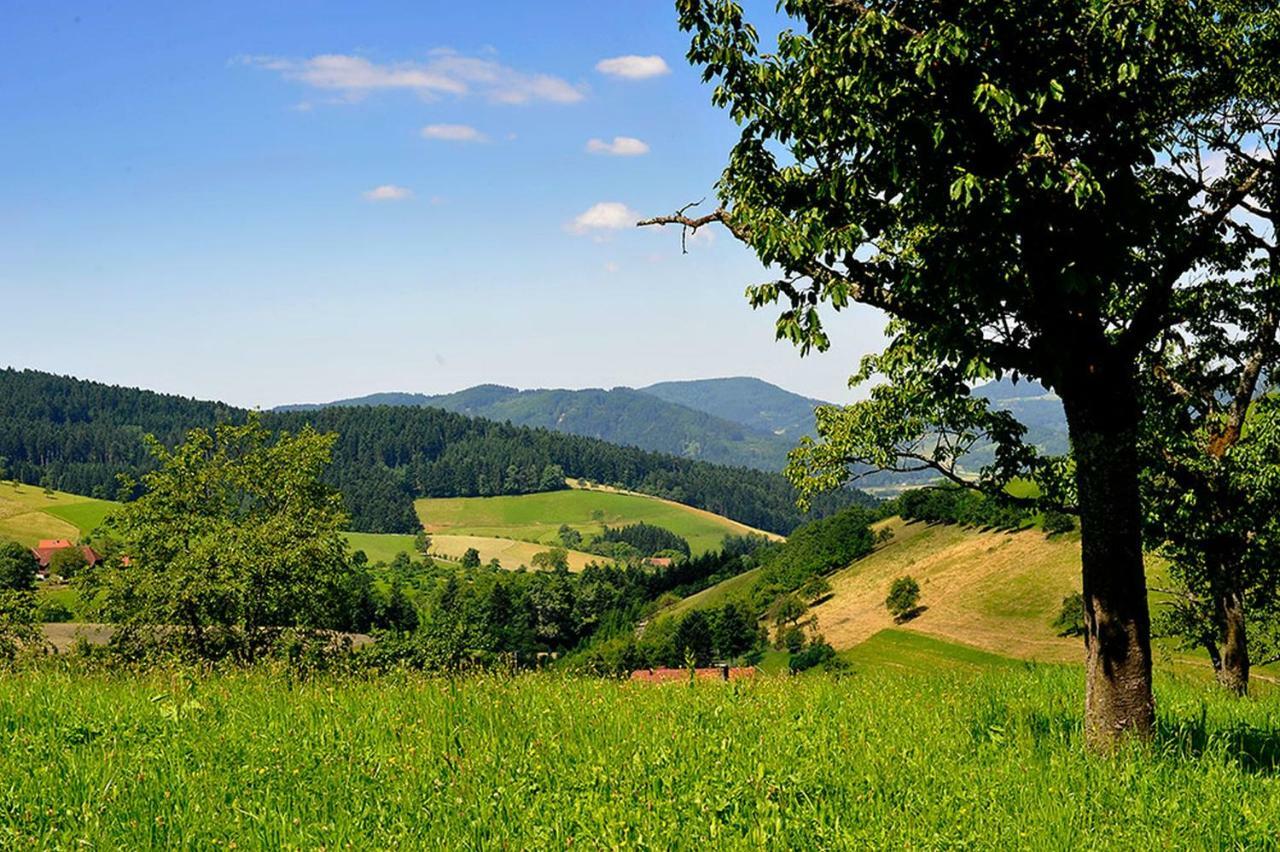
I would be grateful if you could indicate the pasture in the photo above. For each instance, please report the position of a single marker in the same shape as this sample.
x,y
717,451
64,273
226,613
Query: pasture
x,y
28,514
537,517
884,758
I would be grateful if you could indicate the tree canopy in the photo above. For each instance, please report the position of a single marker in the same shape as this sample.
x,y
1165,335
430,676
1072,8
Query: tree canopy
x,y
1022,187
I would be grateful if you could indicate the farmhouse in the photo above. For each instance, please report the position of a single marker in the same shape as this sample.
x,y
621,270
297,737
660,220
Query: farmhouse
x,y
46,548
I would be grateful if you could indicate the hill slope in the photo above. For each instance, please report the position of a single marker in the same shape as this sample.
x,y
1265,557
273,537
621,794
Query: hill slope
x,y
28,514
80,435
537,517
619,416
752,403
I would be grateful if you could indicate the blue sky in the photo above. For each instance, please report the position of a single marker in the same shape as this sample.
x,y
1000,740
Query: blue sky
x,y
271,202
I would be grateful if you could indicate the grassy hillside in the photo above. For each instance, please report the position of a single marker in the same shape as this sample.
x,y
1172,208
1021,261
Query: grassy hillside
x,y
27,514
990,590
537,517
510,552
886,759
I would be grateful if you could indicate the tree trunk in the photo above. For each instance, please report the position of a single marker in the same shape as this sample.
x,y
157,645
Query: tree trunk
x,y
1233,673
1102,417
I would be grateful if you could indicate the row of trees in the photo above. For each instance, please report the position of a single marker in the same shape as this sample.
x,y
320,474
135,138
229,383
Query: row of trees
x,y
80,436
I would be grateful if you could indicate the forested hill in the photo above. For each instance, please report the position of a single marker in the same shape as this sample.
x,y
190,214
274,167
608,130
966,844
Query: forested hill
x,y
620,415
77,435
751,402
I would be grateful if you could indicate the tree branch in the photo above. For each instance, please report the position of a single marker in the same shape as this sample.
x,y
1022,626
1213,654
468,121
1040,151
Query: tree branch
x,y
1150,316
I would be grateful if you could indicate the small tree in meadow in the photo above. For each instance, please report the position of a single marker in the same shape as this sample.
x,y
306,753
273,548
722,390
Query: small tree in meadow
x,y
815,588
471,558
1070,618
903,601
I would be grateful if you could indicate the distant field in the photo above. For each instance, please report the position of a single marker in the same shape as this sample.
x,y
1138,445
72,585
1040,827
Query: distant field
x,y
886,758
511,553
991,590
27,514
537,517
381,547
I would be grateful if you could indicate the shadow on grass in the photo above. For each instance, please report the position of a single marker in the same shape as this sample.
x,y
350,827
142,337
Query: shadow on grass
x,y
1252,749
1255,750
909,614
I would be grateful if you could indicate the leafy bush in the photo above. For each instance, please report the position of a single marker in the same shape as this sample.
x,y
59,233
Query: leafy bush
x,y
956,505
818,653
648,539
903,601
1057,523
1070,618
50,611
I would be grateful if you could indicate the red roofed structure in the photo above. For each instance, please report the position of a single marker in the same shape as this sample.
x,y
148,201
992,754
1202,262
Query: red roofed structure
x,y
47,547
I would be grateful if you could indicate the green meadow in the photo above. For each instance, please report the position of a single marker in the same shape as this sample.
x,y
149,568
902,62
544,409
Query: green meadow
x,y
537,517
886,757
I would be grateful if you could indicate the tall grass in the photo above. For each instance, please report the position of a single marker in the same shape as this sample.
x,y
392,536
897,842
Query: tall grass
x,y
879,759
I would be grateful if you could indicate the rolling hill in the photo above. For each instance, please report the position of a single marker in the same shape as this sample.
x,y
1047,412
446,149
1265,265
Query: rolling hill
x,y
537,517
620,416
28,514
80,435
736,421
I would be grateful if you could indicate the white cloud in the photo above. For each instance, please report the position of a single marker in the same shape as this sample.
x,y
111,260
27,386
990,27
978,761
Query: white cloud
x,y
453,133
621,146
605,216
388,192
444,72
633,67
611,267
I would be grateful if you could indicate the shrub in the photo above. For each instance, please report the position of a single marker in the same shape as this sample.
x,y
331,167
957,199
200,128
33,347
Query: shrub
x,y
1070,618
903,601
1057,523
818,653
50,611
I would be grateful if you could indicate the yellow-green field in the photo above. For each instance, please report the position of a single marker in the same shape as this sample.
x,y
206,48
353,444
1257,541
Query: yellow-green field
x,y
510,552
537,517
28,514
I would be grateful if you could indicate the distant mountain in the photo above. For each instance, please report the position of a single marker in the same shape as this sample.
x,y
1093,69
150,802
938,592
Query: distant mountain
x,y
1036,407
753,403
632,417
738,421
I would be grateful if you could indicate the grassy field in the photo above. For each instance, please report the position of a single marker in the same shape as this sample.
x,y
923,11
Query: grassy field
x,y
537,517
884,758
511,553
993,590
28,514
381,547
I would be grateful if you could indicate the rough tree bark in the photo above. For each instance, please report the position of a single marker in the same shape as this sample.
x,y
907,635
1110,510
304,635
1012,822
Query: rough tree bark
x,y
1102,418
1233,670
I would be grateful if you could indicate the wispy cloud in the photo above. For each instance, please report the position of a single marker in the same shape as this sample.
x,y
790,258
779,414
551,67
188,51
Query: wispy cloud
x,y
453,133
388,192
621,146
442,73
633,67
604,216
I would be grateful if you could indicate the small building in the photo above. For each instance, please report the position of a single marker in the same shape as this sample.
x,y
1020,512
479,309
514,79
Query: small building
x,y
46,548
659,561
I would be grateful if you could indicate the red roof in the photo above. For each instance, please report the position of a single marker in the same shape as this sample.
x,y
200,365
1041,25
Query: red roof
x,y
660,561
47,547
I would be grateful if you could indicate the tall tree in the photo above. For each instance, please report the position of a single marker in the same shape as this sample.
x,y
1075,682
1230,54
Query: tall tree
x,y
1002,178
234,538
